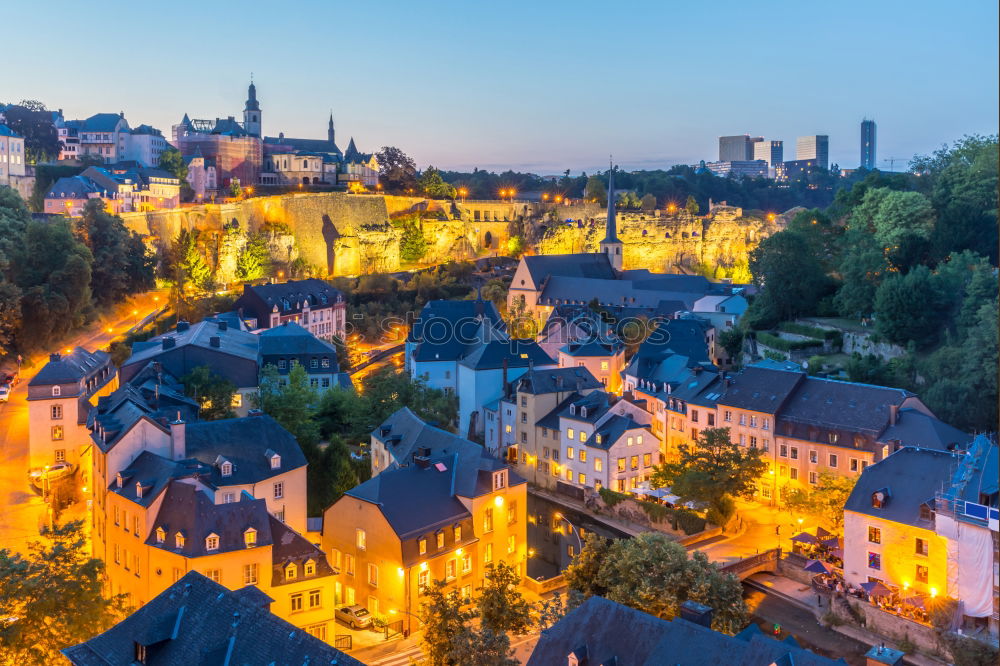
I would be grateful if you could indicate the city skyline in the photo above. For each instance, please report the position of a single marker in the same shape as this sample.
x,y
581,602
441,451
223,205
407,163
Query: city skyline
x,y
488,91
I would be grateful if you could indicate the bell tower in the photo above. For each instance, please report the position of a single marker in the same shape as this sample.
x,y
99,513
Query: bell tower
x,y
251,112
611,246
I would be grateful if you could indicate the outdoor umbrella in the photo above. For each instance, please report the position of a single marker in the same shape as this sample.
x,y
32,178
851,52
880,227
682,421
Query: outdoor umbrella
x,y
829,542
838,553
816,566
916,602
805,537
821,533
876,589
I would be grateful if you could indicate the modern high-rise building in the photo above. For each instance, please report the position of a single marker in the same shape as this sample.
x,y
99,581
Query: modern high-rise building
x,y
735,148
772,152
867,144
815,147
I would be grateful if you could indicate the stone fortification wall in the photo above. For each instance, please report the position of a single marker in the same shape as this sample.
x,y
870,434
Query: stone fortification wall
x,y
345,234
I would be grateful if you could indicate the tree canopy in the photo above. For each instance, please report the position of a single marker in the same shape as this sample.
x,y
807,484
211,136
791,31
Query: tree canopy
x,y
397,170
34,122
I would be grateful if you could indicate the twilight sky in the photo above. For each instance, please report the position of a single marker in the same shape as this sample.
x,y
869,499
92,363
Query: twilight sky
x,y
539,85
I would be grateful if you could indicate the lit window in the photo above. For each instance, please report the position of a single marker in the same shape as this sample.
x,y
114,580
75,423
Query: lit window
x,y
582,479
511,543
922,547
440,539
569,433
296,604
874,560
275,461
450,567
57,433
250,537
178,540
212,542
598,465
291,572
874,535
422,580
458,533
488,557
922,573
583,455
226,469
279,490
466,563
569,452
360,539
373,575
488,519
422,546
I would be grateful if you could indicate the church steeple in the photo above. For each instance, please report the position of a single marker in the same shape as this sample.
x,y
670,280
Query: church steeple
x,y
251,111
330,134
611,245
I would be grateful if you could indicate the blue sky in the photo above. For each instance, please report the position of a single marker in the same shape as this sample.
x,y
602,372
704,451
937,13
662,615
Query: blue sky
x,y
542,86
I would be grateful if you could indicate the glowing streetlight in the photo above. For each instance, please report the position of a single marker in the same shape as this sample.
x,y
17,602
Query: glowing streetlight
x,y
545,196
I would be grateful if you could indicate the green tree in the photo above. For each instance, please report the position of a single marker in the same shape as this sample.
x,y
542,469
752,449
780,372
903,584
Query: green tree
x,y
908,308
122,265
732,341
653,574
292,403
172,162
515,246
825,500
862,268
444,618
583,573
482,648
691,205
791,279
235,189
412,245
648,202
52,597
397,170
432,184
214,393
712,470
33,121
903,223
190,266
596,190
501,607
254,261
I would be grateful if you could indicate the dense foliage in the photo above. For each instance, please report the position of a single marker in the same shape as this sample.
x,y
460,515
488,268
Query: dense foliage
x,y
34,122
914,257
654,574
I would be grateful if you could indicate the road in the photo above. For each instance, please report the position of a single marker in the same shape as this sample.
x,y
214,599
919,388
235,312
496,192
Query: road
x,y
22,511
765,528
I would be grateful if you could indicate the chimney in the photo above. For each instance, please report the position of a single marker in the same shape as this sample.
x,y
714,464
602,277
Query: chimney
x,y
893,414
54,358
169,343
215,341
223,326
697,613
178,445
182,326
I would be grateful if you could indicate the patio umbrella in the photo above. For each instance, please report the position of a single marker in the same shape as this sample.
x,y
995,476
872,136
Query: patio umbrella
x,y
816,566
876,589
805,537
838,553
829,542
916,602
821,533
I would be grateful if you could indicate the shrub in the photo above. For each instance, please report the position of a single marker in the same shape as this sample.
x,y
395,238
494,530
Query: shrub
x,y
967,651
656,512
811,331
611,498
785,345
831,619
942,612
689,521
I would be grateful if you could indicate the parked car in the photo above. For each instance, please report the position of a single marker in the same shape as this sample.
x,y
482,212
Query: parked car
x,y
4,392
356,617
51,473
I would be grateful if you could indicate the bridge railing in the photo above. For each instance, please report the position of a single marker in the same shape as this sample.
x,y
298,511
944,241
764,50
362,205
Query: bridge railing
x,y
739,566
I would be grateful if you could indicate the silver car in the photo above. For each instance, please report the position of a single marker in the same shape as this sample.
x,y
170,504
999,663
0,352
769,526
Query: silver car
x,y
356,617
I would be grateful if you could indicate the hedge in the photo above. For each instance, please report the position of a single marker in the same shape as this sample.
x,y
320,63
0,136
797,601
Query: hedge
x,y
610,497
785,345
811,331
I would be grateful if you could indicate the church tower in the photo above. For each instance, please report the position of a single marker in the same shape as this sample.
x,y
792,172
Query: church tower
x,y
611,246
251,112
330,134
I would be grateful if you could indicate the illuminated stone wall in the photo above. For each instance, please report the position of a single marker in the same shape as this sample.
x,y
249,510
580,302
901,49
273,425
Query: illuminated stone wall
x,y
343,234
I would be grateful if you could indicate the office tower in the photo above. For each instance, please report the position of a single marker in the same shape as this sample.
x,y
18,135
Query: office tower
x,y
867,144
735,148
772,152
815,147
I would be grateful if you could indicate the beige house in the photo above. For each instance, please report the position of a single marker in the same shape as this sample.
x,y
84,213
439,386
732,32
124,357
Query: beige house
x,y
605,360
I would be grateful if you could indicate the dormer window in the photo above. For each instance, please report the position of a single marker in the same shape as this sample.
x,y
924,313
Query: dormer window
x,y
138,490
598,438
56,391
275,461
572,409
879,499
583,412
500,479
226,468
161,535
178,540
291,572
212,542
250,537
309,568
119,479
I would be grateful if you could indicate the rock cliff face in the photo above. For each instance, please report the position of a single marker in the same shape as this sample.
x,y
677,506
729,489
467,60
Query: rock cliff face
x,y
342,234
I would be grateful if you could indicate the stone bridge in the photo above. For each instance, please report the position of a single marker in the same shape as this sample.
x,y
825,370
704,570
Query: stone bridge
x,y
743,569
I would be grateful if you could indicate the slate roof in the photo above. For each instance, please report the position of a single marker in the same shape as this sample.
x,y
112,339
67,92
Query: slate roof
x,y
295,292
154,473
556,380
403,433
190,511
102,122
292,339
6,131
243,442
596,404
911,476
450,330
518,354
592,348
72,187
836,404
551,420
600,631
196,621
71,368
760,389
229,126
311,145
147,129
977,476
291,547
231,341
915,428
611,431
578,265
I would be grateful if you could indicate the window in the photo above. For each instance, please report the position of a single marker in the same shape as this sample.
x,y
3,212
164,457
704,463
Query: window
x,y
310,568
854,464
598,465
783,450
57,433
583,455
783,470
458,533
647,459
753,441
291,572
349,564
422,580
466,563
743,439
753,421
767,424
582,479
250,574
635,462
500,479
466,592
373,575
279,490
569,433
226,469
921,573
250,537
569,475
214,575
813,457
925,512
60,455
630,441
511,513
161,534
507,428
178,540
57,411
56,391
524,417
313,363
727,416
511,543
228,498
275,461
694,416
449,569
793,473
296,602
360,539
874,560
212,542
795,453
621,464
833,460
583,436
569,453
874,535
488,556
922,547
488,519
743,419
812,478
